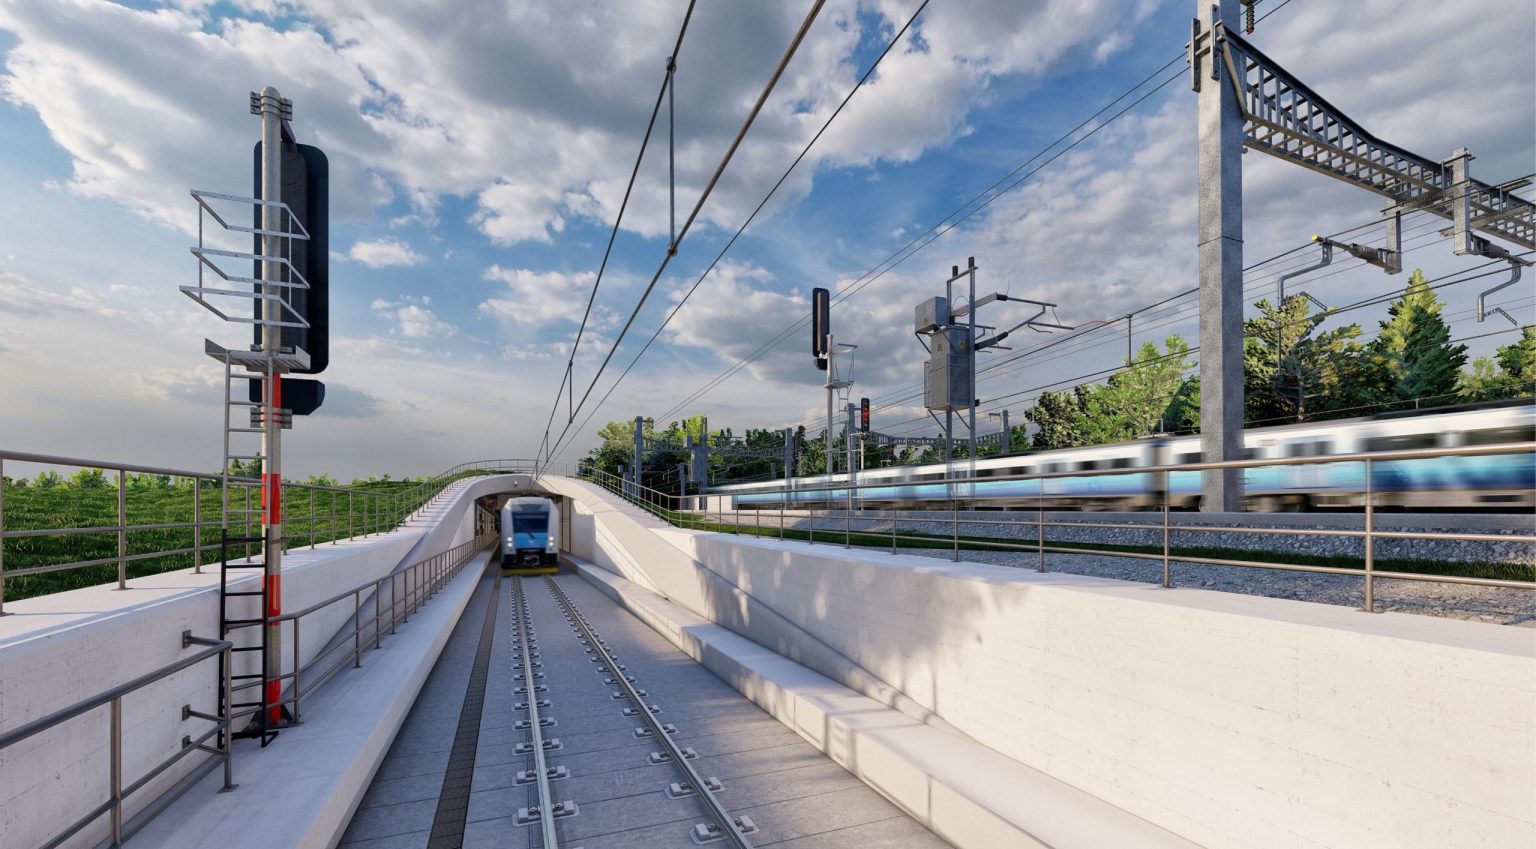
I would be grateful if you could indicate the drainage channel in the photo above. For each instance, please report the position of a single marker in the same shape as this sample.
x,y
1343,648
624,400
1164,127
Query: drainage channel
x,y
449,821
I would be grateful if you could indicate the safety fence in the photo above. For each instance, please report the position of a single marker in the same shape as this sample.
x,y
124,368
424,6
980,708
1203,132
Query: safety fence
x,y
812,510
113,521
118,792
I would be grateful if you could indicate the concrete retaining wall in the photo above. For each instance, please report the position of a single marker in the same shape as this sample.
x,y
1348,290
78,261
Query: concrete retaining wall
x,y
59,649
1236,722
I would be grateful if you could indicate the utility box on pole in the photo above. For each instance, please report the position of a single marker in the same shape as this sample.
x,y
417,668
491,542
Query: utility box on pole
x,y
949,369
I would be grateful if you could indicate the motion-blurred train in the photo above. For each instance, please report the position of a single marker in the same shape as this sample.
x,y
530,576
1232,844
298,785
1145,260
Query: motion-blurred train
x,y
530,536
1484,483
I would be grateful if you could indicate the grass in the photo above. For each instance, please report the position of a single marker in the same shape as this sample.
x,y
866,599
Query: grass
x,y
59,507
916,539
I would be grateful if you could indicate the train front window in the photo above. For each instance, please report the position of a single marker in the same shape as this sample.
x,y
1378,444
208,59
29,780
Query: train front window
x,y
530,523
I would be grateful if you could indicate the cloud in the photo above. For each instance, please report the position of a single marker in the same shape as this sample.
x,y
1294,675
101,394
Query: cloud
x,y
414,320
535,298
385,253
482,104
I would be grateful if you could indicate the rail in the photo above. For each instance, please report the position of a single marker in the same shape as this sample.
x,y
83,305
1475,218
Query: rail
x,y
407,588
117,791
710,512
166,518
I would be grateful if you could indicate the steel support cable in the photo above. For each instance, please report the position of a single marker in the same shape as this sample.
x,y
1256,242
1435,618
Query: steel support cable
x,y
906,393
698,206
1195,349
769,196
861,282
1171,316
937,231
666,87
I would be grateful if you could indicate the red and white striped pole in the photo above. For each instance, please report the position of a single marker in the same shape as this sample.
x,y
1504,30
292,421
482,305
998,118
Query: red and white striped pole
x,y
271,438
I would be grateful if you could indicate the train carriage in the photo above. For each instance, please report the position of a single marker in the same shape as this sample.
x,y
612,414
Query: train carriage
x,y
530,536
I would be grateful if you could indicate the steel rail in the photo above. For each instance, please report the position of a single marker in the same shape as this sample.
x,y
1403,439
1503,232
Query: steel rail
x,y
540,766
712,805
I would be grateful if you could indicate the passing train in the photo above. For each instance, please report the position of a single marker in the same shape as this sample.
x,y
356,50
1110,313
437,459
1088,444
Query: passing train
x,y
1484,483
530,536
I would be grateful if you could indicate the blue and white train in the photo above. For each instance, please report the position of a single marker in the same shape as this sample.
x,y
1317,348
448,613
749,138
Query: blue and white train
x,y
530,536
1484,483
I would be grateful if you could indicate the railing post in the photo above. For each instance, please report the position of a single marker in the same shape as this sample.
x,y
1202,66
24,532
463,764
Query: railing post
x,y
229,721
298,661
378,622
394,602
892,511
334,533
313,530
2,537
1040,524
351,524
1167,565
1370,540
197,526
122,530
116,777
955,509
357,630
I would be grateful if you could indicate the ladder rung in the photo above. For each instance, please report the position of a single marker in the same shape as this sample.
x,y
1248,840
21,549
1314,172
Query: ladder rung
x,y
244,403
246,430
242,457
242,623
249,648
240,540
245,592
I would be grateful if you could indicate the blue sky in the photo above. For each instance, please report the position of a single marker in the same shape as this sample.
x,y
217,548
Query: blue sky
x,y
478,161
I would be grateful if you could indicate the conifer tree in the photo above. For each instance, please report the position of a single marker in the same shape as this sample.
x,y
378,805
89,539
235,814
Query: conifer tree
x,y
1414,347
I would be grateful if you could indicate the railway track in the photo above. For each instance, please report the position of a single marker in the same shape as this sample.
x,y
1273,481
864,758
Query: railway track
x,y
559,820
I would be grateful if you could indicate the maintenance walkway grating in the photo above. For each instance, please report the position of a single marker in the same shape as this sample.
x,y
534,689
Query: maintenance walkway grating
x,y
795,796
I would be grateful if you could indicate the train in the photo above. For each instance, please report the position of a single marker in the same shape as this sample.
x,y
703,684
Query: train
x,y
1487,483
530,536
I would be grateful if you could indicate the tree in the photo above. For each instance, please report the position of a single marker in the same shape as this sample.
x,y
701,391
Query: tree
x,y
1134,403
1061,417
49,479
1293,372
1511,373
88,479
1414,346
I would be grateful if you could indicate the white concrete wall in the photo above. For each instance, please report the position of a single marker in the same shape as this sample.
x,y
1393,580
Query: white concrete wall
x,y
1235,721
62,648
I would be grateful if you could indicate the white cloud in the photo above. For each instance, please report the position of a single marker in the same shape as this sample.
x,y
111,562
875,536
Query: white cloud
x,y
385,253
413,319
535,298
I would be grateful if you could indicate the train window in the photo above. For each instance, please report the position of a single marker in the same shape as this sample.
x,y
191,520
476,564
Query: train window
x,y
1055,467
1251,453
1311,448
1191,457
1497,435
1121,463
1087,465
1404,442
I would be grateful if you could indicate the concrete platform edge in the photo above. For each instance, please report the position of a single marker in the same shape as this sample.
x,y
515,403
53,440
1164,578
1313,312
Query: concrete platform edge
x,y
967,794
303,789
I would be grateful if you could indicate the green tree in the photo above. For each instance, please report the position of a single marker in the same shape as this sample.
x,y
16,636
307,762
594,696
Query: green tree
x,y
1414,347
1060,417
1292,371
88,479
49,479
1510,373
1134,402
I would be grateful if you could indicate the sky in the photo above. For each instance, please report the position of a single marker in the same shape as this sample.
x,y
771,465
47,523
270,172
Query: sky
x,y
480,150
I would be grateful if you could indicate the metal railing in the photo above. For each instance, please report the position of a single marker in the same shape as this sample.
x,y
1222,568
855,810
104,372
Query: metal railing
x,y
117,791
407,589
723,512
155,524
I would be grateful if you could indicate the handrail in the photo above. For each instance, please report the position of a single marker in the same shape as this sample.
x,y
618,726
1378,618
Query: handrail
x,y
114,697
349,512
705,510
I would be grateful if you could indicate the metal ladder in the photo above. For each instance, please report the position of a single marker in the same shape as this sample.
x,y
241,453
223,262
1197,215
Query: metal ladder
x,y
241,538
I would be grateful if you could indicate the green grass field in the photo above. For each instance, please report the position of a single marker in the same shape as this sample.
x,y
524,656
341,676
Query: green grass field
x,y
70,506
